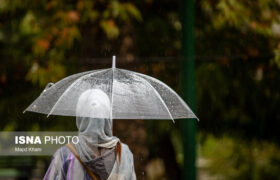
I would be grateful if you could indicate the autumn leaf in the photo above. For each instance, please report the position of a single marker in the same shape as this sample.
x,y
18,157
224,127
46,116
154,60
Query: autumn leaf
x,y
73,16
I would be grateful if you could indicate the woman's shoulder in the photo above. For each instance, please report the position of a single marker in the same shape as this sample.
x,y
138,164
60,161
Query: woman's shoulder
x,y
126,149
125,146
127,159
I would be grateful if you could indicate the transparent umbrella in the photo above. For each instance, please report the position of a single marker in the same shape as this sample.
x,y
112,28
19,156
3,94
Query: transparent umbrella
x,y
132,96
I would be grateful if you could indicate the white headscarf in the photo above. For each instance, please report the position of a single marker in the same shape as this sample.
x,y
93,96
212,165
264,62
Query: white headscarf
x,y
93,132
97,132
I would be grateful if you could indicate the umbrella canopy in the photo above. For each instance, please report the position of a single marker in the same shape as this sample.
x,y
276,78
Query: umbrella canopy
x,y
132,96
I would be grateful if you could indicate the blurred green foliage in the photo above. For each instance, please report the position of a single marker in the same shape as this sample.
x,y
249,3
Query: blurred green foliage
x,y
44,33
231,158
235,89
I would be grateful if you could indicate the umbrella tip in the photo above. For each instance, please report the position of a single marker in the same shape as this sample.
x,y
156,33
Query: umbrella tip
x,y
114,62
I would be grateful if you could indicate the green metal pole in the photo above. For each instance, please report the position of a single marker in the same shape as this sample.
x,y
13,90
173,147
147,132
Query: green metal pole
x,y
188,87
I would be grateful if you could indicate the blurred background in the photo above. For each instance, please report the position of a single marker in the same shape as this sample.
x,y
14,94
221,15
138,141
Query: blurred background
x,y
237,89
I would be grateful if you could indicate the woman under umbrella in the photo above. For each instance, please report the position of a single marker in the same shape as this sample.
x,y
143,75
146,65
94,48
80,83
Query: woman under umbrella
x,y
99,154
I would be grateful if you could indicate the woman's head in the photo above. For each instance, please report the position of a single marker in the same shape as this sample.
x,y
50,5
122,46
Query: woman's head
x,y
93,115
93,103
94,124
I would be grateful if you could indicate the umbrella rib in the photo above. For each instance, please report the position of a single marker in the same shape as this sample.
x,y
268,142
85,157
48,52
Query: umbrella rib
x,y
159,96
75,82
